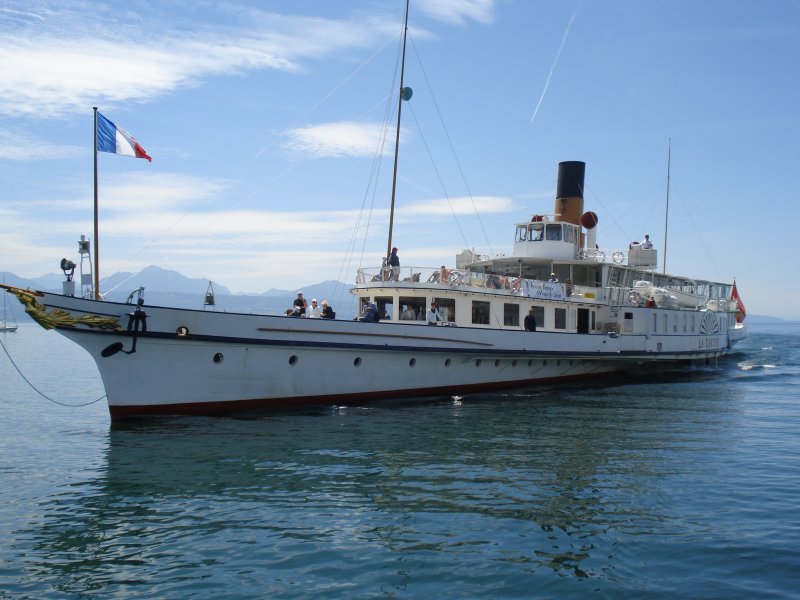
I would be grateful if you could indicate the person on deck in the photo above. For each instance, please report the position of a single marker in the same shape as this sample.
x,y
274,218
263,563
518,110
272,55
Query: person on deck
x,y
300,304
327,310
313,311
371,314
530,320
646,243
553,278
394,265
433,314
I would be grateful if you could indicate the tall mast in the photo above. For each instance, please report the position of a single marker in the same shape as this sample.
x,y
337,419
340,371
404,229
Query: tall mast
x,y
666,217
397,134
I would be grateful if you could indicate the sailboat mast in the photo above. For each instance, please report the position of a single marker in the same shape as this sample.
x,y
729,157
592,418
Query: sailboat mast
x,y
666,217
397,134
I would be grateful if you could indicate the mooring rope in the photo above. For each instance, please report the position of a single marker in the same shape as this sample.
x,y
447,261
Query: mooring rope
x,y
42,394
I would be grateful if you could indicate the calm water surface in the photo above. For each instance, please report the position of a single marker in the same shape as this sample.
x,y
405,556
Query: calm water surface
x,y
687,487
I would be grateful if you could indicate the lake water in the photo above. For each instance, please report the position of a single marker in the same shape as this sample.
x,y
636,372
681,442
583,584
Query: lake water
x,y
680,488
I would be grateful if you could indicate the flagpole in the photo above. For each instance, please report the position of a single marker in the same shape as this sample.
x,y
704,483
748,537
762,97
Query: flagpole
x,y
96,232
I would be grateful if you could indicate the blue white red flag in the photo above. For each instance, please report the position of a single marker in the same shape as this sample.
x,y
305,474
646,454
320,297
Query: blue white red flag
x,y
116,140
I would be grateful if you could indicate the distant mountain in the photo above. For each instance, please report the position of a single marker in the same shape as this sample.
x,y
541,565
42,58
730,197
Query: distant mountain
x,y
160,280
320,291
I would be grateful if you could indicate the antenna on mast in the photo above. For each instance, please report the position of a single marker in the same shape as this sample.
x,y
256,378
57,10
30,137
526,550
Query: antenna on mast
x,y
666,217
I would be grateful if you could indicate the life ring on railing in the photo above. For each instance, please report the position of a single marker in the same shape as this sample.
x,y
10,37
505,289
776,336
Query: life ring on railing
x,y
634,297
617,257
599,256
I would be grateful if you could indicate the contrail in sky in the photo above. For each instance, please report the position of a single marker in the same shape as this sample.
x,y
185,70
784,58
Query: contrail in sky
x,y
553,67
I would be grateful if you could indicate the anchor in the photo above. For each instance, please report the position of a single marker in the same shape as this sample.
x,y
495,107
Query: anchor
x,y
137,321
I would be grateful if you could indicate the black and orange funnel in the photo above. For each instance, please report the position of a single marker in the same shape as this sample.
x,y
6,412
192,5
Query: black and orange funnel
x,y
569,191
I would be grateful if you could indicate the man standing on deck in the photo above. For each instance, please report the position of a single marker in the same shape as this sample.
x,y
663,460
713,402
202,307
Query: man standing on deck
x,y
433,314
394,265
300,305
530,321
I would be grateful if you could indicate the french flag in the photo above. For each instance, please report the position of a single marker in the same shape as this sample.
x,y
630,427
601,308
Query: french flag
x,y
116,140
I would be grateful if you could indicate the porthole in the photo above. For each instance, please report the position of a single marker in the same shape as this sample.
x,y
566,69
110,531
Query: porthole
x,y
357,361
292,360
478,363
544,363
182,331
218,358
513,363
530,362
447,362
558,363
412,362
497,363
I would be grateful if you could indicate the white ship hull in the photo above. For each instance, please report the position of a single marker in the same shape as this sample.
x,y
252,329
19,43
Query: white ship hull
x,y
203,362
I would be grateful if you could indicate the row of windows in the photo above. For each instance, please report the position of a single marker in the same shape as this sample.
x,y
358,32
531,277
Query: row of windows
x,y
415,309
554,232
662,322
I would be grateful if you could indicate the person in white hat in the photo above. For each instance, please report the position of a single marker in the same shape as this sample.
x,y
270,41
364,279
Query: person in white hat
x,y
313,311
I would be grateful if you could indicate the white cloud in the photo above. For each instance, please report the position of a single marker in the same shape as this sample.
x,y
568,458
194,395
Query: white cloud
x,y
152,192
460,206
458,11
344,138
70,62
21,147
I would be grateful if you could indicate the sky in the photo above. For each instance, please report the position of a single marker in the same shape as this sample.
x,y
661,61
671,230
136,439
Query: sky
x,y
271,128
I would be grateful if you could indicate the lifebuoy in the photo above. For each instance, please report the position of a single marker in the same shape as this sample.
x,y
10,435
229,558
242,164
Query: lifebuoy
x,y
599,256
618,257
634,297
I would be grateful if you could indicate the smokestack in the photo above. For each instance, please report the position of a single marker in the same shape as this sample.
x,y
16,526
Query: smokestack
x,y
569,191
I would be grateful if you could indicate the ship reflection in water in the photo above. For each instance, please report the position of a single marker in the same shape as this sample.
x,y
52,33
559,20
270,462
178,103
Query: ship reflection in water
x,y
502,491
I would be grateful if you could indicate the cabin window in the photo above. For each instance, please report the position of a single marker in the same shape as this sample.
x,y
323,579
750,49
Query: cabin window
x,y
560,318
537,273
569,235
675,323
664,327
385,307
522,233
655,323
585,275
538,314
447,309
627,326
511,315
412,309
480,312
693,327
536,232
553,232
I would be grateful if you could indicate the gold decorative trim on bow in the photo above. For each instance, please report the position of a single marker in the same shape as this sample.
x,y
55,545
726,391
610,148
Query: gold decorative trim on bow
x,y
59,317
